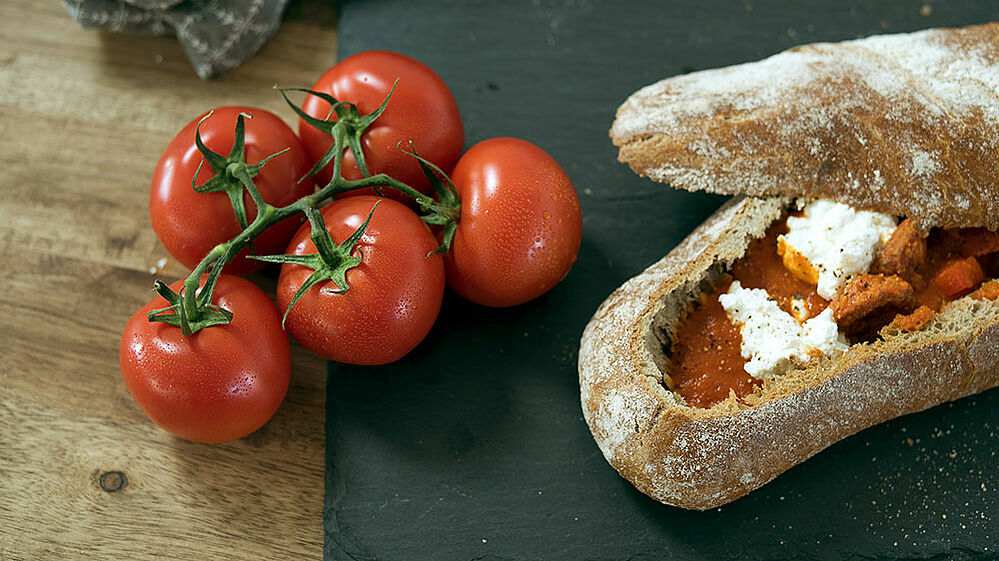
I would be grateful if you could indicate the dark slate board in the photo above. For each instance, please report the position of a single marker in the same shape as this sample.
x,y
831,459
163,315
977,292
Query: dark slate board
x,y
474,446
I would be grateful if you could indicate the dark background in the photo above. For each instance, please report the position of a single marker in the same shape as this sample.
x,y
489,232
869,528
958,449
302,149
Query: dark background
x,y
474,446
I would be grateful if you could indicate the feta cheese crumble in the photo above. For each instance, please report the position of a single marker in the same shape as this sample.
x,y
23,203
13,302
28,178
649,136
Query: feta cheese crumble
x,y
772,340
832,242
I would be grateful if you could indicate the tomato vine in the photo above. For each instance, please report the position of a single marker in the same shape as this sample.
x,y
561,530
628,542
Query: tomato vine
x,y
191,309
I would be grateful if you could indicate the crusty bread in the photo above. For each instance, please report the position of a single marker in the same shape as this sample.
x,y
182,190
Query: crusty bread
x,y
701,458
905,124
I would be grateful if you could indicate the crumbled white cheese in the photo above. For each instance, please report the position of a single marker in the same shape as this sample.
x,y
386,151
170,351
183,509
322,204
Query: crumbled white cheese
x,y
822,333
772,340
836,241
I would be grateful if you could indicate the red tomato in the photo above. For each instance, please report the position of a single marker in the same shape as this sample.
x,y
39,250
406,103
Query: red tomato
x,y
520,224
220,384
395,293
190,224
422,109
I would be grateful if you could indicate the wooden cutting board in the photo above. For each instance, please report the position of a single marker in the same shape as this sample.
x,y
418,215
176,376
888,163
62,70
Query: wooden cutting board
x,y
83,473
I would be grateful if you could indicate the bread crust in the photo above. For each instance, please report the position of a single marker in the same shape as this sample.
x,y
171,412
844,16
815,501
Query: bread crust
x,y
702,458
905,124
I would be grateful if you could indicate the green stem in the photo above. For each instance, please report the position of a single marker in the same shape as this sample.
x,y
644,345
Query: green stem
x,y
193,280
339,139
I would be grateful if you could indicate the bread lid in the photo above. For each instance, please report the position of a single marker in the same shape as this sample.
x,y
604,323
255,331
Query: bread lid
x,y
906,124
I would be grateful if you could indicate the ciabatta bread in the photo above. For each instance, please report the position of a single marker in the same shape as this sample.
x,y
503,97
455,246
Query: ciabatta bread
x,y
905,124
701,458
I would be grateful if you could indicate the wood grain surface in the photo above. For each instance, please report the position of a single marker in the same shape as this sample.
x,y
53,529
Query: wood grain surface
x,y
83,473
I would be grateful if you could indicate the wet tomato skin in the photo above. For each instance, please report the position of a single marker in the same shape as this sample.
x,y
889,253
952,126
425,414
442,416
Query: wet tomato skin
x,y
221,383
422,109
520,226
395,293
190,224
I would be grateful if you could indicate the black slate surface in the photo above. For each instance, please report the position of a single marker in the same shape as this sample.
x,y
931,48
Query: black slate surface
x,y
474,446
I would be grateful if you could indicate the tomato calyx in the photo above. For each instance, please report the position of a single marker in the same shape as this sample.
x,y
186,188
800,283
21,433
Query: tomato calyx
x,y
346,130
231,173
180,313
331,260
444,212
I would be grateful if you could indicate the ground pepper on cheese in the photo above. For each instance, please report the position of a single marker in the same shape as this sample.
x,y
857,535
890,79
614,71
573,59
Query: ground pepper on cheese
x,y
831,242
772,339
775,310
826,245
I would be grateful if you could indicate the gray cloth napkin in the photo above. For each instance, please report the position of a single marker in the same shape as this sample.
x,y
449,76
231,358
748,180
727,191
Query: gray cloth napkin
x,y
217,35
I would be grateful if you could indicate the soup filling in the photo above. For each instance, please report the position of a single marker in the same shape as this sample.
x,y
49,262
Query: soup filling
x,y
820,280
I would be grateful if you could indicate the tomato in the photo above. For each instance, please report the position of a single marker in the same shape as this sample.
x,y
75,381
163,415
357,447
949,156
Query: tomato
x,y
520,225
395,292
190,224
221,383
421,109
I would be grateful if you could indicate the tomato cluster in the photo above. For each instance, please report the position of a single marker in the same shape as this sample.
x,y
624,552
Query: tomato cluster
x,y
512,232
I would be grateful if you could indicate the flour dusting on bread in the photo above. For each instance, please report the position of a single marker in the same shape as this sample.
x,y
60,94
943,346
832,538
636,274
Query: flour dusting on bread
x,y
887,123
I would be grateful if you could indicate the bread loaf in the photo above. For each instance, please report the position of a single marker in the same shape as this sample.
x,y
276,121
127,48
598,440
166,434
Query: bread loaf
x,y
902,124
701,458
